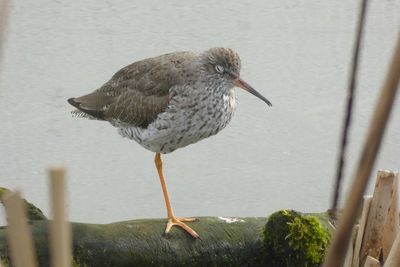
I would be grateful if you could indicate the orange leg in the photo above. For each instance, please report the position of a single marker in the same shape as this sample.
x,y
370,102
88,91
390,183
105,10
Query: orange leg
x,y
172,220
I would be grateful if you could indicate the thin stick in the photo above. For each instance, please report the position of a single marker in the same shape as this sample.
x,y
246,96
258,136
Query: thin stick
x,y
18,234
347,120
338,248
60,231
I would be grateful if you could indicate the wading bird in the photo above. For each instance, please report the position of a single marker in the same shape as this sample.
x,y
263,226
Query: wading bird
x,y
168,102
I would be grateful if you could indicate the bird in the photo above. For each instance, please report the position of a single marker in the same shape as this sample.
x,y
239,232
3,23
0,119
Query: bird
x,y
168,102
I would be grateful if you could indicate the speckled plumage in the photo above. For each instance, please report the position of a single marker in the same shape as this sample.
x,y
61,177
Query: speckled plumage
x,y
169,101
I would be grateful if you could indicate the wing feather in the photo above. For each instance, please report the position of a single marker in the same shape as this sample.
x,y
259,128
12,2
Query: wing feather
x,y
137,93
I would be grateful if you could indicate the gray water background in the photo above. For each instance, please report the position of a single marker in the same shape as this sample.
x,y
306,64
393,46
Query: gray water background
x,y
296,53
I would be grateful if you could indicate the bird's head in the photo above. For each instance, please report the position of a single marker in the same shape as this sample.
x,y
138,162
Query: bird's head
x,y
224,63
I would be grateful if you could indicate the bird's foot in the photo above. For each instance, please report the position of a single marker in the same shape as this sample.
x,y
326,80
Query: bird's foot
x,y
180,222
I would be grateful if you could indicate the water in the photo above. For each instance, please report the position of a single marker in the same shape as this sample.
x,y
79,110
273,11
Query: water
x,y
296,53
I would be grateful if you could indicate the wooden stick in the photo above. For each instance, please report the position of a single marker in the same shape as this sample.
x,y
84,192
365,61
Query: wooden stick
x,y
392,220
340,242
378,212
372,262
18,234
393,259
361,231
60,229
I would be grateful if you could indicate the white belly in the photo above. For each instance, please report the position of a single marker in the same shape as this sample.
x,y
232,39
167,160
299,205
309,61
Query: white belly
x,y
180,126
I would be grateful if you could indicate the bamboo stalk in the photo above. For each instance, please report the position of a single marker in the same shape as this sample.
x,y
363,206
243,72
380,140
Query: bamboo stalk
x,y
340,242
60,229
18,234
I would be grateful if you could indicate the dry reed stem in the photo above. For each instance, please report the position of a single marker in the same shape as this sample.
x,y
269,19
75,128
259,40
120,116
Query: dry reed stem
x,y
349,107
340,242
18,233
4,15
60,229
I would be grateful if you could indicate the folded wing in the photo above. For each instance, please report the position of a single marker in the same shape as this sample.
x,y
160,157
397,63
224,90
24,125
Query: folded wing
x,y
136,94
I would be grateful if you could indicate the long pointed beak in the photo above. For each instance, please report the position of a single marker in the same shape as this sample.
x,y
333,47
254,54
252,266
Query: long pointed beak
x,y
245,86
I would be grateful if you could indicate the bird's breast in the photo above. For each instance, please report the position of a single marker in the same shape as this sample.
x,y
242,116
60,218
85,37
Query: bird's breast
x,y
189,118
204,114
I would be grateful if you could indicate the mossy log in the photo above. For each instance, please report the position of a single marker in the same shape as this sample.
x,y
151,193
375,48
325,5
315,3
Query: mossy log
x,y
140,243
224,242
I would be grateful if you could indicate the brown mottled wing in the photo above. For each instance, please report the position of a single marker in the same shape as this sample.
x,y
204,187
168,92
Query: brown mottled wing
x,y
136,94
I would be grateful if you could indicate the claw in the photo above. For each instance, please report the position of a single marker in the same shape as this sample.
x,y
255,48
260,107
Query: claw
x,y
180,223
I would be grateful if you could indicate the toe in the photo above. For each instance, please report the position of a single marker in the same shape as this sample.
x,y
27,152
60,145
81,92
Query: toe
x,y
188,229
180,222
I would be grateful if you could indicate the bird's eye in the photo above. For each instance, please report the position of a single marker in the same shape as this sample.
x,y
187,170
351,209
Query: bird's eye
x,y
219,69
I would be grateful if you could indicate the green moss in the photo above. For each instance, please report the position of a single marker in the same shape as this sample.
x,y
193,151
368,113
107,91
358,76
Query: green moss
x,y
293,239
33,212
75,264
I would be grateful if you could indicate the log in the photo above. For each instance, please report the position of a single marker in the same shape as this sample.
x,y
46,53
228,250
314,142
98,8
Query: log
x,y
140,243
378,213
225,242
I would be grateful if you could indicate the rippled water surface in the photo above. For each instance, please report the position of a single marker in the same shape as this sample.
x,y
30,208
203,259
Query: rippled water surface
x,y
296,53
